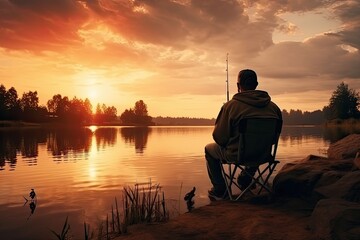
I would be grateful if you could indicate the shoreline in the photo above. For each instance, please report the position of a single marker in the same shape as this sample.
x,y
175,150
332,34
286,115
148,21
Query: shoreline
x,y
314,198
231,220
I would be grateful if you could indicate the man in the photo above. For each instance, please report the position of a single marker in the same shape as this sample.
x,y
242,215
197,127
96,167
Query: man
x,y
248,102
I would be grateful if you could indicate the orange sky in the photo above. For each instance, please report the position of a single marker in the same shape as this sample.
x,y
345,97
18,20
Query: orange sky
x,y
172,53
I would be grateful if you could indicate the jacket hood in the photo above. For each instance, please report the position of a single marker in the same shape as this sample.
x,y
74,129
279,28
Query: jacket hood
x,y
256,98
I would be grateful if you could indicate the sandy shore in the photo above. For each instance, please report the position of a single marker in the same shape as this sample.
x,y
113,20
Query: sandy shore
x,y
254,219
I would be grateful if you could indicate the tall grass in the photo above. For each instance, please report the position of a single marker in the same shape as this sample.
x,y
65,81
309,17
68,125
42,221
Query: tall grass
x,y
142,203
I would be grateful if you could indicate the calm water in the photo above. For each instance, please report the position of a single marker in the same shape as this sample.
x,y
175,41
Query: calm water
x,y
78,172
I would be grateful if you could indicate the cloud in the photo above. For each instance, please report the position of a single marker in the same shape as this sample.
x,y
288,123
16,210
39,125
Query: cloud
x,y
320,55
40,24
349,13
289,5
170,23
173,48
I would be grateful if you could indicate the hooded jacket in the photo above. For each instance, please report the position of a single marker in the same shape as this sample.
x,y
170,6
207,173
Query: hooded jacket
x,y
252,103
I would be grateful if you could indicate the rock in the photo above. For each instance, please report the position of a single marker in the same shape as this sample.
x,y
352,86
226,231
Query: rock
x,y
328,178
345,148
296,180
357,161
313,158
331,186
299,179
347,187
336,219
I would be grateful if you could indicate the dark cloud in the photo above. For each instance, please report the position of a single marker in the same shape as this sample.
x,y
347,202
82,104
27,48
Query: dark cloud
x,y
218,11
173,24
50,24
40,24
290,5
349,13
320,56
60,8
209,28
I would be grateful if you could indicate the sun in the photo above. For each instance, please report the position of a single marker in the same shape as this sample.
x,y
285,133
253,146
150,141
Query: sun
x,y
92,93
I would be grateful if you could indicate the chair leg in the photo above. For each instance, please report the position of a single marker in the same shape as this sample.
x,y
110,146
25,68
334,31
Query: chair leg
x,y
260,179
271,167
229,178
245,190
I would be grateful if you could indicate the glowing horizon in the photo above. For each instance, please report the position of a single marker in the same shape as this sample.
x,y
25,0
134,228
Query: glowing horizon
x,y
172,54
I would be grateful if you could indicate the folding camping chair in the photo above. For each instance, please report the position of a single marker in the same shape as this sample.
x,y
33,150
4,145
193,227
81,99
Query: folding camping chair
x,y
258,141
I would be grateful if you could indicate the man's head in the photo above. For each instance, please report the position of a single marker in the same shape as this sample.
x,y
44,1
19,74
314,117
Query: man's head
x,y
247,80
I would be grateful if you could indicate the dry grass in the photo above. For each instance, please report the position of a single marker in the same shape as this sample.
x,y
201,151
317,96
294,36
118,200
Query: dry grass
x,y
143,203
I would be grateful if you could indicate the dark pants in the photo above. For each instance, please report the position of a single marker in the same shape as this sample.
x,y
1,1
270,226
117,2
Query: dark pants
x,y
214,154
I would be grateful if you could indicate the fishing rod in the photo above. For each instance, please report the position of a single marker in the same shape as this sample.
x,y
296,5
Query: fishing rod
x,y
227,77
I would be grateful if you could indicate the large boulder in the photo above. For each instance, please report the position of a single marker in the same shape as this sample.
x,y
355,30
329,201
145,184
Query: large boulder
x,y
331,185
336,219
299,179
347,187
345,148
357,161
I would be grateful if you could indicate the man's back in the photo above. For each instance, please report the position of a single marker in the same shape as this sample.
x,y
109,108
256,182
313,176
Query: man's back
x,y
253,103
248,102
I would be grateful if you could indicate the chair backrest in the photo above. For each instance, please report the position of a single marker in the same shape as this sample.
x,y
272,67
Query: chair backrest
x,y
258,140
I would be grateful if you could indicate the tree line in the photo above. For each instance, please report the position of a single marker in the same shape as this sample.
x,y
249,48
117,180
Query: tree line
x,y
61,109
343,104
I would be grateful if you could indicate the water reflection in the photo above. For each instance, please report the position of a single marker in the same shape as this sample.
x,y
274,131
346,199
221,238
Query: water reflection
x,y
331,134
84,190
105,137
77,142
137,136
20,141
62,141
334,133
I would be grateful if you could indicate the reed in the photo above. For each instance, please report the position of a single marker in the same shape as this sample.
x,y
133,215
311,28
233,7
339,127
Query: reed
x,y
87,235
145,202
63,235
142,203
117,217
107,227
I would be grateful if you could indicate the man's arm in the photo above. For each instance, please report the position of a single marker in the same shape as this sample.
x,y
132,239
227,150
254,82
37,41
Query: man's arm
x,y
221,130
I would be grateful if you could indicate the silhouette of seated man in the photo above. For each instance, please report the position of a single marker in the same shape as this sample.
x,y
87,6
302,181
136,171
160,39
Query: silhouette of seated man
x,y
248,102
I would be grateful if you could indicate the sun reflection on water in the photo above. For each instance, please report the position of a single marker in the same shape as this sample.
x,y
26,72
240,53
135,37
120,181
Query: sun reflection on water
x,y
92,156
93,128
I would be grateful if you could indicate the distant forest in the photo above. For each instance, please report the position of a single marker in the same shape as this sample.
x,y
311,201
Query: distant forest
x,y
293,117
297,117
183,121
343,105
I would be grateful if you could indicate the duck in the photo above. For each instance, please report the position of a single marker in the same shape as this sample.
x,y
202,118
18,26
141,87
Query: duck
x,y
32,194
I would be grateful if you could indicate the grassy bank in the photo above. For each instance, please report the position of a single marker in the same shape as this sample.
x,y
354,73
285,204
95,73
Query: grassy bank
x,y
348,125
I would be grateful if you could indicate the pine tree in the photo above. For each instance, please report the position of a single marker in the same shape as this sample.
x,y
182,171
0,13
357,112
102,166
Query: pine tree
x,y
344,103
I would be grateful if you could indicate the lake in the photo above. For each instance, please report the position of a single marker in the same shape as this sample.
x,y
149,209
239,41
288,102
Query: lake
x,y
78,172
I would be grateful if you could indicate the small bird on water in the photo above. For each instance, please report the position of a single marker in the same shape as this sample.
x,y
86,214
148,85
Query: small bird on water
x,y
32,194
189,199
190,195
